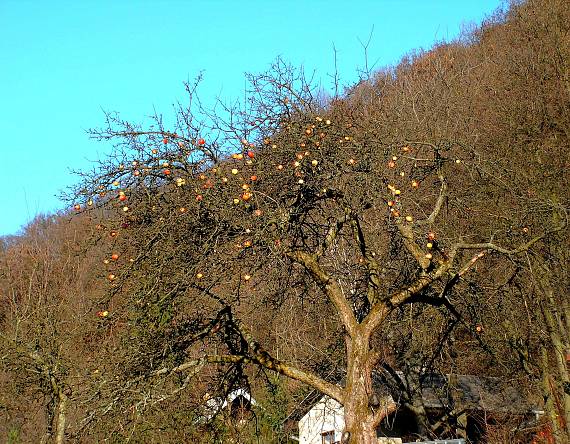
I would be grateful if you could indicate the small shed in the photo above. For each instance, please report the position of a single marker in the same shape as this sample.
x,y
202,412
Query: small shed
x,y
238,403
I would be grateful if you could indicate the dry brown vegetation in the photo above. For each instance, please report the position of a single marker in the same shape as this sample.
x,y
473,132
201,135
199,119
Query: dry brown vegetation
x,y
417,223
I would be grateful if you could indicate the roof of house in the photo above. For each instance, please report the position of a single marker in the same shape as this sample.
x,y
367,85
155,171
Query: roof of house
x,y
464,391
491,394
214,405
444,391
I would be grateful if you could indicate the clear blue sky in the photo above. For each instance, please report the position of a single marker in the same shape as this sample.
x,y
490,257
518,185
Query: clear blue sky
x,y
61,62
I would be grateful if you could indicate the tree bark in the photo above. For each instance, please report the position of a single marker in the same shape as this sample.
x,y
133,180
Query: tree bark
x,y
360,419
550,395
58,414
557,379
559,350
61,417
358,389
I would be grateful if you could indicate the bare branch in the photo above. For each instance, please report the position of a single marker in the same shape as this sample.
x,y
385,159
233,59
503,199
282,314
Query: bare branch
x,y
438,204
510,252
469,264
262,357
381,310
407,233
332,234
372,267
329,286
387,407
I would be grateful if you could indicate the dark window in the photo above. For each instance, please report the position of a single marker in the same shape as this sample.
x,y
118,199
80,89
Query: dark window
x,y
328,437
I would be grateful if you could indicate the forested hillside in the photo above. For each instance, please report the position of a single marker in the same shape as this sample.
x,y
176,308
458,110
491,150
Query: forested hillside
x,y
295,245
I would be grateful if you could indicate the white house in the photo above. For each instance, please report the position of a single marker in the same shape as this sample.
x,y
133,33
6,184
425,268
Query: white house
x,y
323,424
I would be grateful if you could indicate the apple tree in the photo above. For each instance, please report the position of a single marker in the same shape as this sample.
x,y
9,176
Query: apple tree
x,y
235,234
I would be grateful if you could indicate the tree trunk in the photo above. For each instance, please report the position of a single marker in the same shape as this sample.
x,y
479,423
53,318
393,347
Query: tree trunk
x,y
550,396
61,417
557,378
357,413
559,351
360,419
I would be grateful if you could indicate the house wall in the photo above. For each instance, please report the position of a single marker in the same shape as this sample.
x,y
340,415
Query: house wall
x,y
328,415
325,416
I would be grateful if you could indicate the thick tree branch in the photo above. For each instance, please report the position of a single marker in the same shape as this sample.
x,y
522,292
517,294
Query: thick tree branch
x,y
261,357
387,407
379,312
471,262
408,237
198,363
333,233
329,286
372,267
257,355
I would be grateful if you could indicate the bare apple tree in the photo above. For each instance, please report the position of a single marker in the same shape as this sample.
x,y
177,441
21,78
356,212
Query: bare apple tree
x,y
294,208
